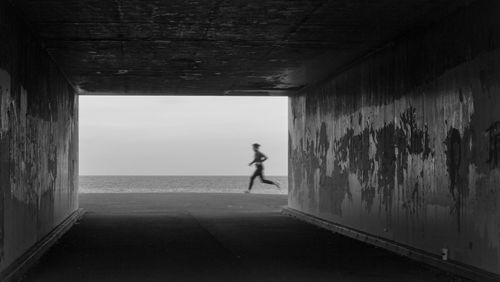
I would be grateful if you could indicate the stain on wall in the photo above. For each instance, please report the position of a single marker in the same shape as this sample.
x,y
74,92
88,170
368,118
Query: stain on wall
x,y
38,141
405,145
493,133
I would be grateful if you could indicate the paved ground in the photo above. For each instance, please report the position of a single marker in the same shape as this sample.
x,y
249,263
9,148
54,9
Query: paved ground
x,y
211,237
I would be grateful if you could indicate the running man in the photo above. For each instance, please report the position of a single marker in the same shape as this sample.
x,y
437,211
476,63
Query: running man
x,y
259,168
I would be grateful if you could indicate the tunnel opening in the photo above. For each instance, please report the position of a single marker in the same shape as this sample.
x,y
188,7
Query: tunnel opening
x,y
197,144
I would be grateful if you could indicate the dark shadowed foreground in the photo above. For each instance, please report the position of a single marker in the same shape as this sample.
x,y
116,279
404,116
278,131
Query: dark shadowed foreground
x,y
211,237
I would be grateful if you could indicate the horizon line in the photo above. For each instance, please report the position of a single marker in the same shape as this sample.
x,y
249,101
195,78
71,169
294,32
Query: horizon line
x,y
173,175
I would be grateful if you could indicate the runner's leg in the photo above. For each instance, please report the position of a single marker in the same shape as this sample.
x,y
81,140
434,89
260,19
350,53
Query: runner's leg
x,y
264,180
254,175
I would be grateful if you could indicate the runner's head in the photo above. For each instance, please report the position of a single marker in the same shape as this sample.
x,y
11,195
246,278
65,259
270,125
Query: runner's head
x,y
255,146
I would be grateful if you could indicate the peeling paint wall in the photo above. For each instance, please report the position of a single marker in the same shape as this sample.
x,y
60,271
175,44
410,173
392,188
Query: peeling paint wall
x,y
38,141
406,145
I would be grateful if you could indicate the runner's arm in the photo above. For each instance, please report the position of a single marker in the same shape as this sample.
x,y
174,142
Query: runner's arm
x,y
263,157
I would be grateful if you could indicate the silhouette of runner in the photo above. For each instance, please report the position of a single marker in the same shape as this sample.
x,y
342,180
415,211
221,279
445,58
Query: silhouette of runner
x,y
258,159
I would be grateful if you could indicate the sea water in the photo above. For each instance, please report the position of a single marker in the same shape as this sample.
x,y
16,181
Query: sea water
x,y
178,184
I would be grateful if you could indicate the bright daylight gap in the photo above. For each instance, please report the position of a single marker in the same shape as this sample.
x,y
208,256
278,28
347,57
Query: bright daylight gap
x,y
181,144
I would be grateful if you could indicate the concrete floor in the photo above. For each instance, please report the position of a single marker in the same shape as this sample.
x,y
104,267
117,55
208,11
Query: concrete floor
x,y
211,237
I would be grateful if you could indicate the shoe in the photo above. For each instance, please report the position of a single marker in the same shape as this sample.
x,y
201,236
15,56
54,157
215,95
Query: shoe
x,y
247,192
278,185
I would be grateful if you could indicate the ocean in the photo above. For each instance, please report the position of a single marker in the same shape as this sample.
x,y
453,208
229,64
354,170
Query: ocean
x,y
188,184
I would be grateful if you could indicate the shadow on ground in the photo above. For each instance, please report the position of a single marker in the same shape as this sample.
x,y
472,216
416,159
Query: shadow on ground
x,y
211,237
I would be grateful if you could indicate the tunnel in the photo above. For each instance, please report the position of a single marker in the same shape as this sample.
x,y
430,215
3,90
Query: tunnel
x,y
394,110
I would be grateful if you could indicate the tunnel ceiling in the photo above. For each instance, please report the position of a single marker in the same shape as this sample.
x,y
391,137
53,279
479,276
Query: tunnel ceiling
x,y
216,47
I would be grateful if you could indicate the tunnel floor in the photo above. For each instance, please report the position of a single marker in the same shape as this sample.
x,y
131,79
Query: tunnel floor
x,y
211,237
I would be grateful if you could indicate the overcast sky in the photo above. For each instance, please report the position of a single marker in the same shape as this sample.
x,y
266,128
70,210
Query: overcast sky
x,y
164,135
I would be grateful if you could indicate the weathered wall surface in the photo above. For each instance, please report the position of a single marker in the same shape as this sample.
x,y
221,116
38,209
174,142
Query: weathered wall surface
x,y
38,141
406,145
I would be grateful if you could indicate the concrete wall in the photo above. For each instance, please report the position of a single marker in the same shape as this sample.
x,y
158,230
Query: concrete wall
x,y
406,144
38,141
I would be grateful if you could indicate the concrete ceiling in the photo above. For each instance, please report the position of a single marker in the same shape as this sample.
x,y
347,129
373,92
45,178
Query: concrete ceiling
x,y
217,47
